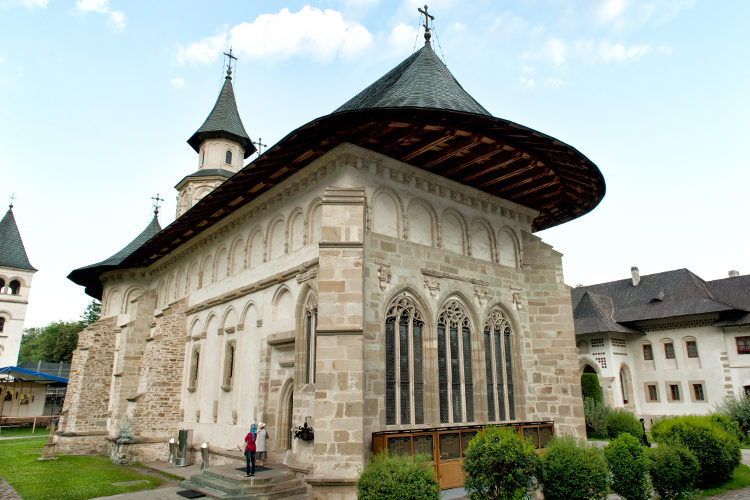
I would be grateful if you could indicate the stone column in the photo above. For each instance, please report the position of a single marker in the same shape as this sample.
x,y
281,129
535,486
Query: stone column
x,y
339,387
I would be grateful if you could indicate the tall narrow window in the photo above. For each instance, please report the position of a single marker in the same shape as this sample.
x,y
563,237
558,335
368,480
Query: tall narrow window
x,y
454,364
498,360
15,287
404,382
669,350
692,349
648,352
194,365
698,392
228,158
2,324
226,384
311,325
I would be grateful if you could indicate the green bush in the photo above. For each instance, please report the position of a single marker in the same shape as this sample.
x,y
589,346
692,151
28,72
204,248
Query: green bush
x,y
621,421
396,477
738,410
573,471
626,461
673,470
500,465
590,388
717,451
596,416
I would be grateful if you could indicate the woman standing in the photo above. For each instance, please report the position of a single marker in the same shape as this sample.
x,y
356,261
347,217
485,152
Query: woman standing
x,y
250,451
260,444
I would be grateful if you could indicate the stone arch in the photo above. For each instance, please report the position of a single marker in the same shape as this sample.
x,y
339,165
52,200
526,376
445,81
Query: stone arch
x,y
282,304
237,256
387,211
509,248
286,414
180,284
482,240
15,285
500,344
626,385
305,339
295,230
586,364
169,291
276,238
195,327
249,313
421,222
313,220
221,264
211,322
161,293
453,231
131,294
114,302
255,252
193,278
205,274
229,320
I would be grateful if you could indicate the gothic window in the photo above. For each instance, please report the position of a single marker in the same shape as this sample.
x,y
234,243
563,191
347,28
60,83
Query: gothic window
x,y
455,382
228,157
404,380
15,287
310,325
499,366
2,324
194,364
228,366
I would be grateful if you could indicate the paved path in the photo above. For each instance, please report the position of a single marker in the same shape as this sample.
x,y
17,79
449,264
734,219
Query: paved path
x,y
7,492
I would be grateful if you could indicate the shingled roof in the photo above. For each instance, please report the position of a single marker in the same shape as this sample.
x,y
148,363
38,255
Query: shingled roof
x,y
662,295
88,276
12,251
223,122
593,314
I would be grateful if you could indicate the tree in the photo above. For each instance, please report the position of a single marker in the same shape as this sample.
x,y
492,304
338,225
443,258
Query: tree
x,y
57,341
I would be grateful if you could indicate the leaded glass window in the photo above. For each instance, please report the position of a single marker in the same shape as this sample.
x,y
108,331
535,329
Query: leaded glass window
x,y
499,366
404,380
455,380
310,325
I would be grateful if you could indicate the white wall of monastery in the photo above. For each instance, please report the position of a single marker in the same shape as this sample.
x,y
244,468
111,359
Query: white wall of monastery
x,y
13,311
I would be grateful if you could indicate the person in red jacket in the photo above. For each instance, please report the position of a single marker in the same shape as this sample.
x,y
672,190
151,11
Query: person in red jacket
x,y
250,451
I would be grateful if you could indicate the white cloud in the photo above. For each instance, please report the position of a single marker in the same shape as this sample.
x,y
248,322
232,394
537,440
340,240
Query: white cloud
x,y
203,51
621,53
177,82
30,4
117,17
403,35
554,50
611,10
510,25
526,82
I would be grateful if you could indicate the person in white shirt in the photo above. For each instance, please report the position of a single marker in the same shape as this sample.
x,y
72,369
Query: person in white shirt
x,y
260,444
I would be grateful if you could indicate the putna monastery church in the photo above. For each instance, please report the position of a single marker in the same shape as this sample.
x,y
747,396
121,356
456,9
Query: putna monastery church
x,y
373,275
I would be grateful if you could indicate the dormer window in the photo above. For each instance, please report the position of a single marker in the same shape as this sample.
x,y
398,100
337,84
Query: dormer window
x,y
228,158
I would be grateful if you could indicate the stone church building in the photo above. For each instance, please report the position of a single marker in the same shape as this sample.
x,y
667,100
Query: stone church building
x,y
375,270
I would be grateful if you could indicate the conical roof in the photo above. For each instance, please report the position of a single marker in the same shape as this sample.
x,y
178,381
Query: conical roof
x,y
88,276
223,122
420,81
12,251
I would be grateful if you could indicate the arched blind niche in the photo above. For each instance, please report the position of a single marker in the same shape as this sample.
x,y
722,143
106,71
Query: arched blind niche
x,y
499,366
404,381
455,382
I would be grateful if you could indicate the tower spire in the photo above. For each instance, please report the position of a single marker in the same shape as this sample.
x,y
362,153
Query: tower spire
x,y
157,204
427,18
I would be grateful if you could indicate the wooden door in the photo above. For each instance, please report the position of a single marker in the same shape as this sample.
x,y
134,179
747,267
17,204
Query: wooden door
x,y
450,473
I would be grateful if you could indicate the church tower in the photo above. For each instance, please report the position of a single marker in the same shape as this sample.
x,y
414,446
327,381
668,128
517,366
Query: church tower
x,y
15,283
221,143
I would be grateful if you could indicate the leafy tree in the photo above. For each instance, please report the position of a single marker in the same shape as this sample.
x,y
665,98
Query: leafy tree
x,y
57,341
590,388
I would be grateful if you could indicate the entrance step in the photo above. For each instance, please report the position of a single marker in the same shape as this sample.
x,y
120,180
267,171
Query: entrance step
x,y
227,482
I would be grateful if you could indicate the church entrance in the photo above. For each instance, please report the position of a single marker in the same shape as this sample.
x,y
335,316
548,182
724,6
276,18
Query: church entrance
x,y
447,445
286,410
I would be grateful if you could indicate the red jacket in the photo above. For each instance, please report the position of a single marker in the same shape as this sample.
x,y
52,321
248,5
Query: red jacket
x,y
250,440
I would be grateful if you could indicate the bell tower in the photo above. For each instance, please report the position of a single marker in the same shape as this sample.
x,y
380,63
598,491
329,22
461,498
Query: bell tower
x,y
221,143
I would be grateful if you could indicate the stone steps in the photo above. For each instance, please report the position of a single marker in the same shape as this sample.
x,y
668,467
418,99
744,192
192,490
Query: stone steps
x,y
227,483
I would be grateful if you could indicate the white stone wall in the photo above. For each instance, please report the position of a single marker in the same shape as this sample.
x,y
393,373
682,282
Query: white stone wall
x,y
212,154
13,310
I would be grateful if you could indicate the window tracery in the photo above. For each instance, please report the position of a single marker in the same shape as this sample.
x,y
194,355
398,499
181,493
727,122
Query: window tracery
x,y
311,325
455,381
404,381
499,366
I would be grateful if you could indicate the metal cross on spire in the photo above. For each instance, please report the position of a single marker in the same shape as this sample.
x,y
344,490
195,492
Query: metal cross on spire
x,y
260,145
427,18
12,199
157,201
229,64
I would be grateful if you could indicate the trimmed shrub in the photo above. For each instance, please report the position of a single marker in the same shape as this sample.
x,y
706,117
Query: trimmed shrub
x,y
621,421
396,477
717,451
500,465
673,469
573,471
738,410
626,461
596,416
590,388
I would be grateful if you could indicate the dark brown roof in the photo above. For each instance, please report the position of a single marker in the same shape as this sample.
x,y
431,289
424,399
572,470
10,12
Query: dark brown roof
x,y
668,294
12,251
593,314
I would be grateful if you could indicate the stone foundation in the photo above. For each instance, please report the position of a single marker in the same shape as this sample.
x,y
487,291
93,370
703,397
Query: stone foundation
x,y
78,444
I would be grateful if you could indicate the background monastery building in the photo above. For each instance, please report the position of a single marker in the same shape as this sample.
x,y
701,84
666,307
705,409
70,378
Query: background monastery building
x,y
375,270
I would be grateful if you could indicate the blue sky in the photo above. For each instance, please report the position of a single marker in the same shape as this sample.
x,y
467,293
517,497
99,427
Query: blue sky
x,y
97,99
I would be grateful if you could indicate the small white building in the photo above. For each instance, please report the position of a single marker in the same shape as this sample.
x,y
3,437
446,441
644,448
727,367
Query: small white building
x,y
15,283
667,343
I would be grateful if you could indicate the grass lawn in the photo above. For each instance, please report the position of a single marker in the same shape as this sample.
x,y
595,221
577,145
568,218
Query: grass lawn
x,y
23,431
70,477
740,479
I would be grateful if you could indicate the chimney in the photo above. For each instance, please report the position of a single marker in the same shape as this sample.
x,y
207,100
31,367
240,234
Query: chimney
x,y
635,275
733,273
